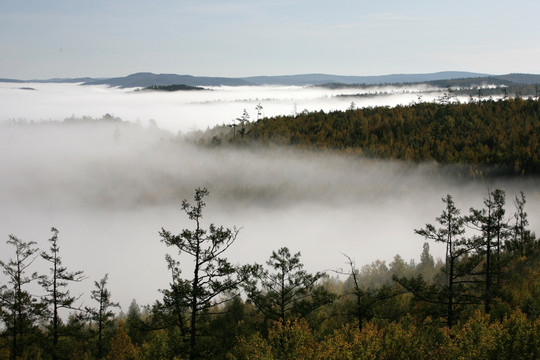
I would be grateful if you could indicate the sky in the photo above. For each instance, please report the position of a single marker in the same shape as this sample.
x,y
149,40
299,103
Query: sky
x,y
65,38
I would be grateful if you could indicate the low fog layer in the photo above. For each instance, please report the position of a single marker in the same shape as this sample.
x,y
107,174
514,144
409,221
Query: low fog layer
x,y
110,187
189,110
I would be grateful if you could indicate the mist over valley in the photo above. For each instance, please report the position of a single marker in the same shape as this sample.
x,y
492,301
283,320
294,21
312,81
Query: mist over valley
x,y
187,111
110,185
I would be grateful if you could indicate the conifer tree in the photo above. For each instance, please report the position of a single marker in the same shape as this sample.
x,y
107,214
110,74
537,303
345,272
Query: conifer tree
x,y
57,296
426,267
134,323
365,298
121,346
19,308
522,237
450,232
214,277
489,222
103,315
286,289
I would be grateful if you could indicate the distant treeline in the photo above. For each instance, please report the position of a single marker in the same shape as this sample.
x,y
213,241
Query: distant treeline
x,y
476,87
179,87
502,136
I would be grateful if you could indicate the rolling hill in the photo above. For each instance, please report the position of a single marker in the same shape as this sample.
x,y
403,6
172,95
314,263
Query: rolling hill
x,y
147,79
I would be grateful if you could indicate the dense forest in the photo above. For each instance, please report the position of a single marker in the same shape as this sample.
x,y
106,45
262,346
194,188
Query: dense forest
x,y
485,137
481,302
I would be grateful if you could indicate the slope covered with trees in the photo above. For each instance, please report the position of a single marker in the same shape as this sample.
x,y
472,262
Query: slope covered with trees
x,y
494,137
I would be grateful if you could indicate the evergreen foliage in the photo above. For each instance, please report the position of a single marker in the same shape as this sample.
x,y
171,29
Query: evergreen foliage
x,y
485,136
480,302
57,296
213,275
20,310
286,290
103,315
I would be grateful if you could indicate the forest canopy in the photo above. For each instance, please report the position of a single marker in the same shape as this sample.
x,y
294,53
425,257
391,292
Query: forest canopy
x,y
494,137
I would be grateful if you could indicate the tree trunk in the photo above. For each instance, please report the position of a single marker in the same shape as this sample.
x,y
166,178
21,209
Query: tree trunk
x,y
195,285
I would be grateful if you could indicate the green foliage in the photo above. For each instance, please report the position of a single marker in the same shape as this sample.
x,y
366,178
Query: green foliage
x,y
490,225
121,346
478,338
481,267
363,302
398,340
492,136
81,343
236,319
213,275
252,347
450,232
286,289
291,340
157,348
286,340
19,309
351,343
520,338
134,323
521,288
522,240
426,268
57,296
290,313
103,315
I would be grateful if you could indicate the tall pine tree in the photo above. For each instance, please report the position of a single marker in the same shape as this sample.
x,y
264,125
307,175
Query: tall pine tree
x,y
57,296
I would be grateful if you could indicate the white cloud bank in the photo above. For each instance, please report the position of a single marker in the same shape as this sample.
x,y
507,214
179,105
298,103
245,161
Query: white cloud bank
x,y
185,110
110,188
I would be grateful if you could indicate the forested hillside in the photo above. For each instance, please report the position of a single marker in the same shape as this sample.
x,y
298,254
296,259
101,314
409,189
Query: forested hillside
x,y
481,302
495,137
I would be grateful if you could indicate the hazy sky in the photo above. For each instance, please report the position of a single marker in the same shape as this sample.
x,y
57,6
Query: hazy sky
x,y
65,38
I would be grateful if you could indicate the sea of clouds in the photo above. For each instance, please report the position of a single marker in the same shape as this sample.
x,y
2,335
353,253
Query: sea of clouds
x,y
189,110
109,187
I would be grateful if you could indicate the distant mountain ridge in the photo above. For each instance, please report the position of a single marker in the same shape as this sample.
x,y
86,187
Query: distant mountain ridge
x,y
319,79
149,79
530,79
146,79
